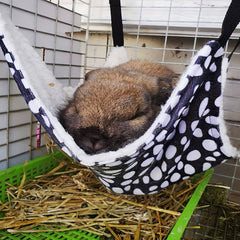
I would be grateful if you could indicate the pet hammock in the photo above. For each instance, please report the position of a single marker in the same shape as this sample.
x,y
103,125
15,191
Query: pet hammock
x,y
187,137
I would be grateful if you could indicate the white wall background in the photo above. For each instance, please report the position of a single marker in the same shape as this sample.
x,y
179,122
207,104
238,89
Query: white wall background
x,y
45,25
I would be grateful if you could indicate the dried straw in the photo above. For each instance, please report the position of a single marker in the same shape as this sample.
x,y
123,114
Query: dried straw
x,y
73,199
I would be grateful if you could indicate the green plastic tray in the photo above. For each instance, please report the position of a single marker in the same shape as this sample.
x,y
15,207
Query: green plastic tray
x,y
43,165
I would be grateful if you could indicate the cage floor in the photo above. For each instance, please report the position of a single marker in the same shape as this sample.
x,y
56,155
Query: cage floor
x,y
214,223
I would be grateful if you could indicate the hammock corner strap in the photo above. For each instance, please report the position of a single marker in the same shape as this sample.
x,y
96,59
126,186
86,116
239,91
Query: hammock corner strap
x,y
187,137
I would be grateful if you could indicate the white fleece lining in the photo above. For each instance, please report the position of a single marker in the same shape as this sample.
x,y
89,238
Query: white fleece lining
x,y
227,146
117,56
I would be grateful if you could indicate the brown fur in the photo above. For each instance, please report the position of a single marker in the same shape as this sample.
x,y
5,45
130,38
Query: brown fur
x,y
116,105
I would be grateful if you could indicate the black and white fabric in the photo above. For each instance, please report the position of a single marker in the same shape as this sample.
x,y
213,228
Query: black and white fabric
x,y
187,137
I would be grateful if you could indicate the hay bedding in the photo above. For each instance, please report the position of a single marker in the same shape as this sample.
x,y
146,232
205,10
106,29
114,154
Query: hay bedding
x,y
70,197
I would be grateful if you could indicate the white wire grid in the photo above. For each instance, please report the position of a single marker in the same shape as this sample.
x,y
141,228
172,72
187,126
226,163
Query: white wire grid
x,y
170,32
49,29
165,31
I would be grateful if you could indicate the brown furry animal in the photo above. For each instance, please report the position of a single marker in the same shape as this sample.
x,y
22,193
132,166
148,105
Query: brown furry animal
x,y
116,105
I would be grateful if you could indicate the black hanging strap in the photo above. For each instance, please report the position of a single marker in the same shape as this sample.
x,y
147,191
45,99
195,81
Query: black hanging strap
x,y
231,20
117,27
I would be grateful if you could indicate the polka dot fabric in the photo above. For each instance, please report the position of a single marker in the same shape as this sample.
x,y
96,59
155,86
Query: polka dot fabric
x,y
185,141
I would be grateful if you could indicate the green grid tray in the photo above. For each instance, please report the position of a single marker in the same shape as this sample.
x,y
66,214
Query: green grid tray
x,y
72,234
43,165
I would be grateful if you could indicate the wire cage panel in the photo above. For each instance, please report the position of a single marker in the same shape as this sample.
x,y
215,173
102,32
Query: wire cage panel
x,y
170,32
49,29
74,37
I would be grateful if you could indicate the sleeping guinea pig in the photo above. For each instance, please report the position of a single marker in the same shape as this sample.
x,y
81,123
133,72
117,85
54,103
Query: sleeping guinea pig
x,y
116,105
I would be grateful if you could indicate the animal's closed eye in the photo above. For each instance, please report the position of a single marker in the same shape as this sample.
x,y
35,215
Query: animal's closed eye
x,y
138,114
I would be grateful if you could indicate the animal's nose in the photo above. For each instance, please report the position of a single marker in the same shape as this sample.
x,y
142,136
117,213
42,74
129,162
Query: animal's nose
x,y
96,144
91,140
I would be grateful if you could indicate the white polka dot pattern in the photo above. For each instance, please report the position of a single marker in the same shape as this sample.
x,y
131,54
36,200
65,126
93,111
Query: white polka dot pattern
x,y
186,139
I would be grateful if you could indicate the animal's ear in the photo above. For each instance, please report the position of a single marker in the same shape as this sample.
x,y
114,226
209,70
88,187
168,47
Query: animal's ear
x,y
88,74
175,79
69,118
